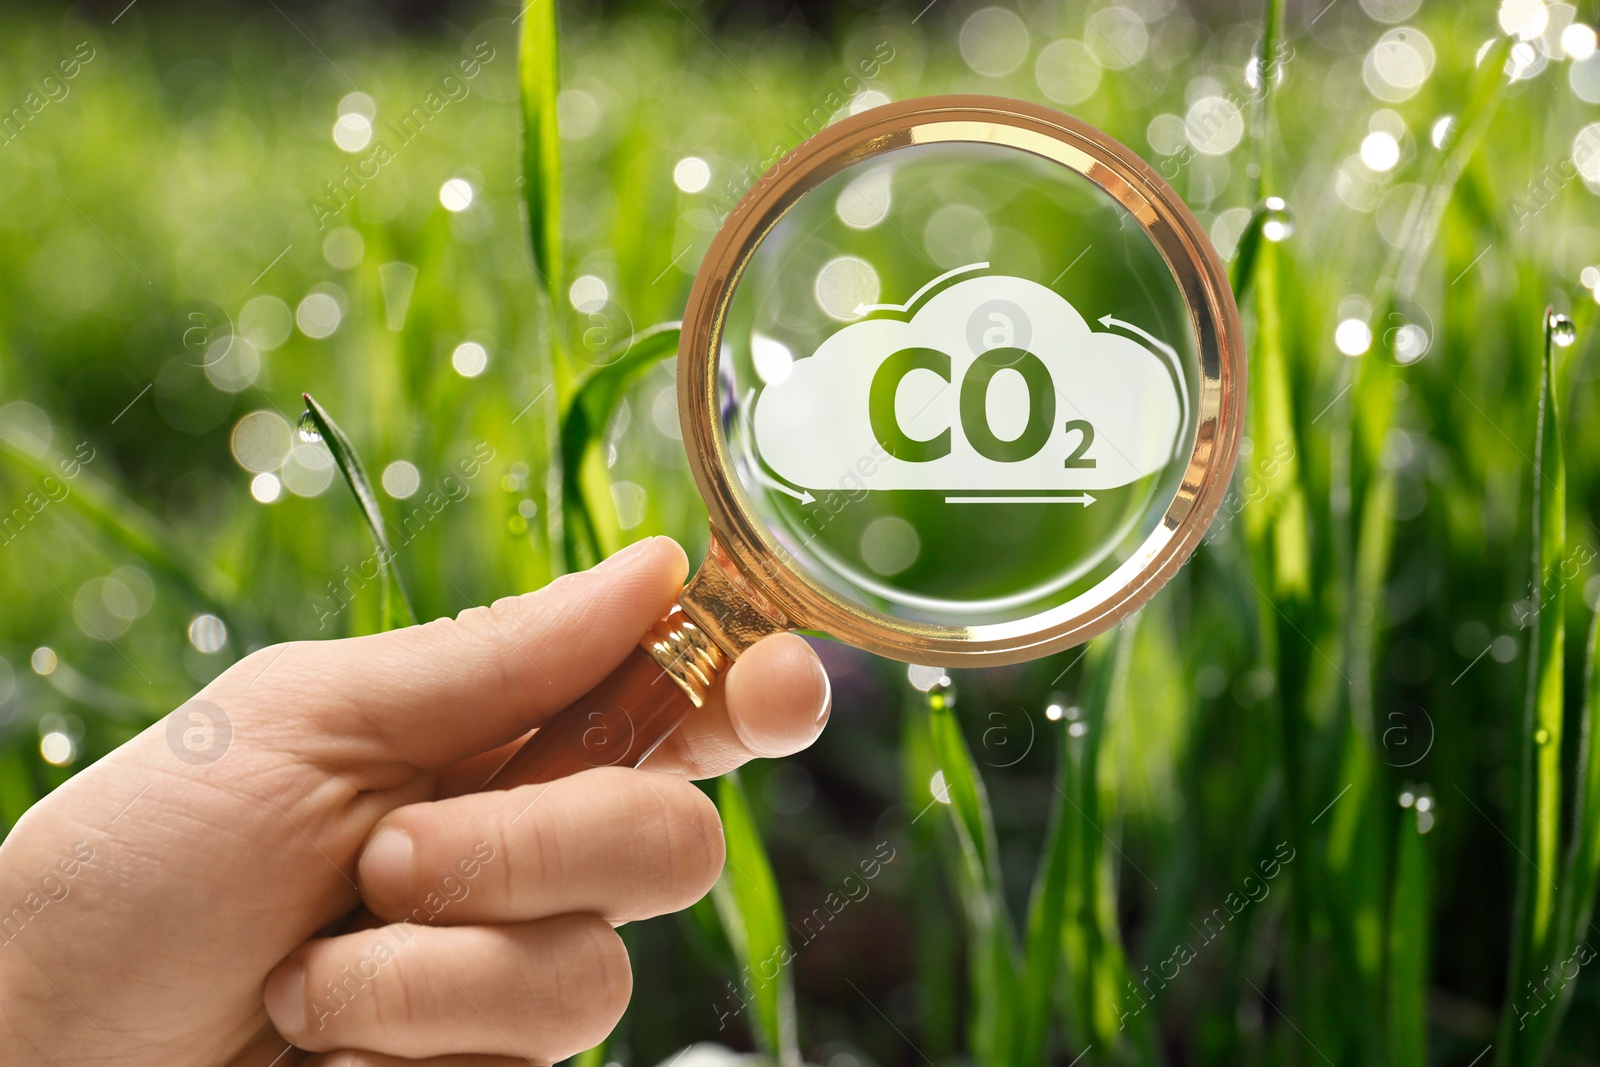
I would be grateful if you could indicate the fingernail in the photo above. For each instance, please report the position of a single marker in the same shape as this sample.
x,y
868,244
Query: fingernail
x,y
827,693
286,998
776,734
626,556
389,864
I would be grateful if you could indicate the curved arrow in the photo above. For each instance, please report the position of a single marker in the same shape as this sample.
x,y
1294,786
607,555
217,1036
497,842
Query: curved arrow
x,y
772,483
755,467
862,309
1167,350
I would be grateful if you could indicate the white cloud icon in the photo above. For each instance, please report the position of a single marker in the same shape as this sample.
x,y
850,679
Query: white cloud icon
x,y
994,383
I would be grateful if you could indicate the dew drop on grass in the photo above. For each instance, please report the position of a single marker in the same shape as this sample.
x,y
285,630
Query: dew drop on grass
x,y
942,694
1562,331
1542,737
1277,224
308,429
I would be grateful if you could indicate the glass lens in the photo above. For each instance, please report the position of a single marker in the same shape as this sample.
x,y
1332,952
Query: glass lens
x,y
958,384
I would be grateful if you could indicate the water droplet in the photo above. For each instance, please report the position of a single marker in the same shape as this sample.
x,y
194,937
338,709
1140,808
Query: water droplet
x,y
308,429
942,694
1442,131
1277,223
1562,331
517,525
1542,737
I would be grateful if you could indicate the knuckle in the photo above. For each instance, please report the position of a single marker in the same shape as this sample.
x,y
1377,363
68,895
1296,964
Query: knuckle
x,y
468,623
262,672
252,663
400,999
509,624
539,860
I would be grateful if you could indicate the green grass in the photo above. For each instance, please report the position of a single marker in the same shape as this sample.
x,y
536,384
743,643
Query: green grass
x,y
1361,684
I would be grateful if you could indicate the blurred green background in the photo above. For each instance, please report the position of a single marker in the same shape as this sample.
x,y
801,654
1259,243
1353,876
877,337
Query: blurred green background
x,y
1357,685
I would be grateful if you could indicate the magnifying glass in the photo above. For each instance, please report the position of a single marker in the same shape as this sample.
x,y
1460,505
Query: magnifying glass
x,y
961,382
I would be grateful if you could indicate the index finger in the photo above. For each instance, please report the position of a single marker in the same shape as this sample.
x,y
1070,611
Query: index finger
x,y
429,696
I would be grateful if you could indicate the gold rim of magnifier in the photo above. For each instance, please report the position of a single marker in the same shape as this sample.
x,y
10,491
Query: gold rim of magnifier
x,y
1212,315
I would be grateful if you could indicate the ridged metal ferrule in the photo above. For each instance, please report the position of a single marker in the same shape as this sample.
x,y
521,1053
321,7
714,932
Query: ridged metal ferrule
x,y
684,651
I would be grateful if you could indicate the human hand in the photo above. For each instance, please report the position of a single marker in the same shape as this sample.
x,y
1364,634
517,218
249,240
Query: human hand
x,y
144,903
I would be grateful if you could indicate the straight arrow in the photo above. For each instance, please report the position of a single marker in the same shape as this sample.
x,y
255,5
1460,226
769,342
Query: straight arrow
x,y
1064,498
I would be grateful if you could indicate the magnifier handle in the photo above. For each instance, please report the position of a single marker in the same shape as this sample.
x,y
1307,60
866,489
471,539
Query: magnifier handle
x,y
672,672
617,724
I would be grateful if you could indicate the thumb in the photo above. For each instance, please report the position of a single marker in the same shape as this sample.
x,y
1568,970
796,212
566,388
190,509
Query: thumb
x,y
432,695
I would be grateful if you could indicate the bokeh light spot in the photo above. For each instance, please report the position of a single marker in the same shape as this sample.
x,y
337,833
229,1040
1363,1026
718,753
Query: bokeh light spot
x,y
469,359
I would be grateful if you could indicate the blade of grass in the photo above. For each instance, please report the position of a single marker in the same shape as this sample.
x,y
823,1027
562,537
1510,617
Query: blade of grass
x,y
702,928
938,964
1483,100
1363,538
992,951
1581,872
747,900
1271,33
592,531
1074,899
1246,253
1409,917
1094,962
1362,541
1373,402
396,608
539,84
538,87
1534,922
1277,525
1047,912
1581,876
